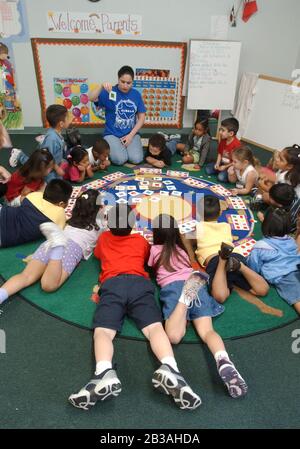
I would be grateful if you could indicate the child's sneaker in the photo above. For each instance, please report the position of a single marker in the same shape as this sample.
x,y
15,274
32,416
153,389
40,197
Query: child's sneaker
x,y
54,235
101,387
189,294
166,136
40,139
234,382
168,381
14,157
225,251
175,137
233,264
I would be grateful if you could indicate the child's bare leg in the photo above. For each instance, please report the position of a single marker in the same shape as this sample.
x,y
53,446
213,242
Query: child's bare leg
x,y
234,382
167,378
297,307
29,276
175,325
105,383
220,290
259,286
54,276
180,147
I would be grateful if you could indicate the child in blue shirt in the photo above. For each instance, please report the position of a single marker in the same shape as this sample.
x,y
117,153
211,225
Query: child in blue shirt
x,y
276,256
59,119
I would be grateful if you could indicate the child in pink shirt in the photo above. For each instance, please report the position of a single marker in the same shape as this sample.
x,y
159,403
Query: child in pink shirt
x,y
77,167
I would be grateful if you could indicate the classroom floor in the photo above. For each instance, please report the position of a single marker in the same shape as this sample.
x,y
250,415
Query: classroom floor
x,y
47,359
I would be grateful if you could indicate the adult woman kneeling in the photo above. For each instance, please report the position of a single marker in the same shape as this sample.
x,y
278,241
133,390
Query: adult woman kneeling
x,y
124,116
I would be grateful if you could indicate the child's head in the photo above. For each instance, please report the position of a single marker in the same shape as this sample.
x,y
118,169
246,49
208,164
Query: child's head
x,y
3,52
201,127
58,192
242,157
85,211
277,222
38,166
120,220
212,208
58,116
229,128
157,144
101,149
289,160
281,195
166,233
78,156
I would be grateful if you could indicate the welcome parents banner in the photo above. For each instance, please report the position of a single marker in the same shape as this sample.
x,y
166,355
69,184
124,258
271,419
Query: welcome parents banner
x,y
102,23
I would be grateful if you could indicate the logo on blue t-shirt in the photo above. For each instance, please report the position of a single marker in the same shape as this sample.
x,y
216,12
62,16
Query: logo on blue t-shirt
x,y
125,114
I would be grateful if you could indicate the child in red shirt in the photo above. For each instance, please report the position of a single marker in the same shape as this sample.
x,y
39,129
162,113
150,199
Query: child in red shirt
x,y
229,141
78,166
127,290
30,177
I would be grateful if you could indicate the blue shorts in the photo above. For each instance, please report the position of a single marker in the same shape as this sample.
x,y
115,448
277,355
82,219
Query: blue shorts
x,y
170,294
71,257
288,287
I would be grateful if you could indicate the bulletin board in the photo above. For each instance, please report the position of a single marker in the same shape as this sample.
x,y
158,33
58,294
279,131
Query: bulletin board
x,y
66,69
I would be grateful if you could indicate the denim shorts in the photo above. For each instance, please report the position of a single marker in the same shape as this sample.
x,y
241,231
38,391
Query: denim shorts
x,y
207,306
71,257
288,287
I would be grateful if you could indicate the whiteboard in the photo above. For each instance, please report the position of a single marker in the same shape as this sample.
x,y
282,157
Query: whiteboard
x,y
274,120
97,61
213,72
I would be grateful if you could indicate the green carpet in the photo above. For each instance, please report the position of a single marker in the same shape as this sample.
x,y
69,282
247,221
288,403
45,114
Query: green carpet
x,y
72,301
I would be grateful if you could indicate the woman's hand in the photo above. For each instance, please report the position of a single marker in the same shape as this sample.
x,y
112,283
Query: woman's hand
x,y
107,86
126,140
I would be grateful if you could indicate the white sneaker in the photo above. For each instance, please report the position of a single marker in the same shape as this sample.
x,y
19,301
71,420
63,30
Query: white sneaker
x,y
14,157
166,136
175,137
189,295
40,139
54,235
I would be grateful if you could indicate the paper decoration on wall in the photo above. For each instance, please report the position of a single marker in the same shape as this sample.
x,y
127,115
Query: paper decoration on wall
x,y
73,94
10,23
161,98
13,117
250,8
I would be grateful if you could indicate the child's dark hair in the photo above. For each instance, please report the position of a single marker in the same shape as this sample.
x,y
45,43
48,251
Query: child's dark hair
x,y
101,146
76,155
292,155
3,49
277,222
204,123
244,153
57,191
85,211
73,137
231,124
126,70
166,233
37,163
283,194
157,141
212,208
119,220
56,113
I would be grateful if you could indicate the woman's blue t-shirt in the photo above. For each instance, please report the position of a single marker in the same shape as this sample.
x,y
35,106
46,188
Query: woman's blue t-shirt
x,y
120,115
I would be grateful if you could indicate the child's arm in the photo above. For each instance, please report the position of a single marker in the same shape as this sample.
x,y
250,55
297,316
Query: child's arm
x,y
89,171
4,175
218,161
190,246
204,152
82,171
232,175
58,170
250,183
155,162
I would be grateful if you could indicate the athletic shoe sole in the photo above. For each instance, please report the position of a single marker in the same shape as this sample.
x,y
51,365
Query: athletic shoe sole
x,y
234,382
87,399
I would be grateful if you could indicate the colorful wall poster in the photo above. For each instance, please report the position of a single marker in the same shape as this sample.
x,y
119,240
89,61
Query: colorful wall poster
x,y
73,94
161,99
160,73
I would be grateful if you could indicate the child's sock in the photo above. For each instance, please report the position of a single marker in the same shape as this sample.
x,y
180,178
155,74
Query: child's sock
x,y
221,355
102,366
3,295
57,252
171,362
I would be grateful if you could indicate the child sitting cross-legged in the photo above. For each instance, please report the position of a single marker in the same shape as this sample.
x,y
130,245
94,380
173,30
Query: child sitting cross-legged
x,y
127,290
215,252
55,260
243,171
185,297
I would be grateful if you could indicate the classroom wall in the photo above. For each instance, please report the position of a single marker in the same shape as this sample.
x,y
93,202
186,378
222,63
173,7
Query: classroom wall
x,y
270,40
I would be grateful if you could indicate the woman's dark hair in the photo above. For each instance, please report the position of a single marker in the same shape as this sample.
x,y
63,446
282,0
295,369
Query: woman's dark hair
x,y
204,123
283,194
126,70
212,207
76,155
277,222
37,163
166,233
85,211
292,155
